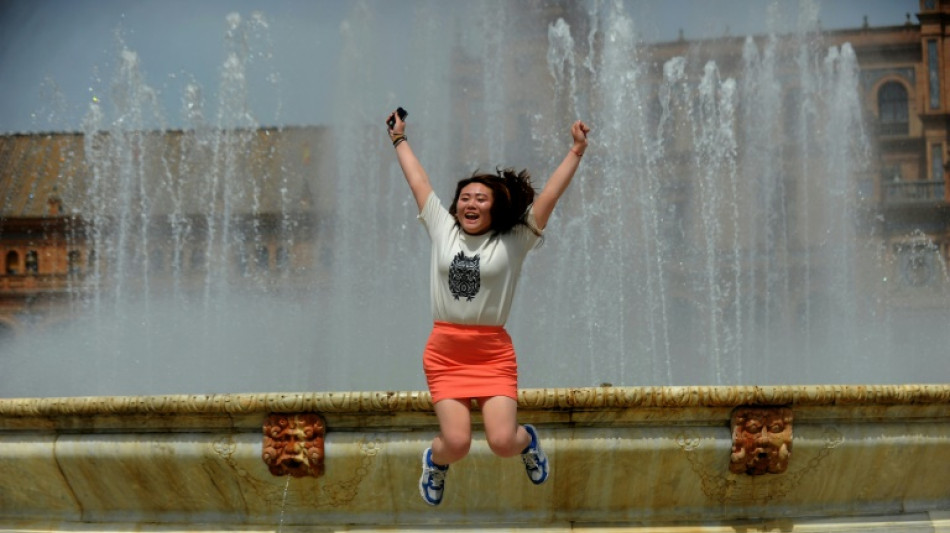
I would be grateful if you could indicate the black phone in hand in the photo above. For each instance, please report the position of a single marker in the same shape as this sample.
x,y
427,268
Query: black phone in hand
x,y
402,116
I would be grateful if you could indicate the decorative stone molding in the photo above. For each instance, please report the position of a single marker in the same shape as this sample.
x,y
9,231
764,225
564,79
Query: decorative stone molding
x,y
293,444
624,459
558,399
761,440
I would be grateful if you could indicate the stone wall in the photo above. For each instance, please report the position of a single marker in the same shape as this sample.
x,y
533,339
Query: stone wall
x,y
623,459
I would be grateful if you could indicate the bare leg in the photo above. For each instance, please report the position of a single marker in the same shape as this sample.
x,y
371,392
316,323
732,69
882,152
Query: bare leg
x,y
455,431
505,437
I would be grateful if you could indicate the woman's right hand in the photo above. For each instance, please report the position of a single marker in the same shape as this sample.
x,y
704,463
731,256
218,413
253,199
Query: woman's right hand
x,y
399,128
412,169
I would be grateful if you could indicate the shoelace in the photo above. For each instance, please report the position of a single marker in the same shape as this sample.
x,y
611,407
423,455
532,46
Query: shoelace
x,y
436,477
530,460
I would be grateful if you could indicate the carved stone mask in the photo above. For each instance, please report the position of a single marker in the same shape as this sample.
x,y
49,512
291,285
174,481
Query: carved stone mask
x,y
293,444
761,440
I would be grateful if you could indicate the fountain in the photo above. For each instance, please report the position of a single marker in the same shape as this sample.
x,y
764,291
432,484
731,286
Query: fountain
x,y
710,256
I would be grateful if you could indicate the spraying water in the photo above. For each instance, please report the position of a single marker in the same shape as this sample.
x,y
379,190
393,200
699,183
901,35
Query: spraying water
x,y
712,235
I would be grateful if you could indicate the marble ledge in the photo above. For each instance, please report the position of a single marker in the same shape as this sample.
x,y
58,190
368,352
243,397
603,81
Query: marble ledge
x,y
938,522
568,399
632,461
399,410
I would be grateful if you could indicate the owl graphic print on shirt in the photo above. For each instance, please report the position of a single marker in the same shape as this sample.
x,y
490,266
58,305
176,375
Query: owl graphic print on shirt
x,y
464,276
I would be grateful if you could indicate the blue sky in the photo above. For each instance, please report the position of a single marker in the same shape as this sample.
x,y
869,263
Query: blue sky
x,y
57,55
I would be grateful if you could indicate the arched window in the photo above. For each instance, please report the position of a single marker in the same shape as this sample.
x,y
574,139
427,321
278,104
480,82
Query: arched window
x,y
263,258
892,108
7,334
197,259
32,263
241,261
12,262
918,263
156,260
74,262
283,259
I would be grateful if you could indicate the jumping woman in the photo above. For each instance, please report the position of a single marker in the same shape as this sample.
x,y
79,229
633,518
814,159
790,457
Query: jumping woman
x,y
478,247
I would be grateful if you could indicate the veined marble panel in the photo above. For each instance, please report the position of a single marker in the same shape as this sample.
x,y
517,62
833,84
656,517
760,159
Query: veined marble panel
x,y
623,459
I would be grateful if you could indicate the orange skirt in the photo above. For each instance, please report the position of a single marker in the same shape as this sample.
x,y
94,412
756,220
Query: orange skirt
x,y
464,362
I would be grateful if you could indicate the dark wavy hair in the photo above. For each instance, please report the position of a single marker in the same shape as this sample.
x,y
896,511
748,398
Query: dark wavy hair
x,y
511,195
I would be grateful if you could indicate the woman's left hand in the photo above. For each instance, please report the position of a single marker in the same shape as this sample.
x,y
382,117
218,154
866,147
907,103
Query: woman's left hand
x,y
579,131
545,201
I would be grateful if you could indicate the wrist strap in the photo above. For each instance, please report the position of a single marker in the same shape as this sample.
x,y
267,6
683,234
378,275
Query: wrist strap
x,y
398,138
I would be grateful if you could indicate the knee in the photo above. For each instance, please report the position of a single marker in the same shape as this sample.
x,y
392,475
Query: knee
x,y
504,444
456,445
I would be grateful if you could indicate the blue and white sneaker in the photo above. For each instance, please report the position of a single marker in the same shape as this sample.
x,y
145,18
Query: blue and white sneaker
x,y
432,482
535,462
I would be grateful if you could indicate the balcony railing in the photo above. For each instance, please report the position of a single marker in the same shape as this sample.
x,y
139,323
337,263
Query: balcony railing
x,y
893,128
33,283
913,192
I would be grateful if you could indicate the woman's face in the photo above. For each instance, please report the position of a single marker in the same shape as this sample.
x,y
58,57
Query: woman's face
x,y
473,209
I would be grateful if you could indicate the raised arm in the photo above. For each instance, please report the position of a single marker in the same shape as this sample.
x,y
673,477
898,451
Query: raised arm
x,y
416,176
562,176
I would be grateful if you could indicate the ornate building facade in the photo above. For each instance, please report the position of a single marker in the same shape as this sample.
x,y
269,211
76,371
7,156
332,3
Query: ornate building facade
x,y
63,237
59,238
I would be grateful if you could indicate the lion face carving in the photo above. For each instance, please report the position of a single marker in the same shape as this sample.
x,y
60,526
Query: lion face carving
x,y
293,444
761,440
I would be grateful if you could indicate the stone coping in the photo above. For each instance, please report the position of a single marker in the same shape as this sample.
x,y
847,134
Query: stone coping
x,y
866,457
543,399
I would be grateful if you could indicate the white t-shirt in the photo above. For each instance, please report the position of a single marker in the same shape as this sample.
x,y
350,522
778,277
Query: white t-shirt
x,y
473,277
